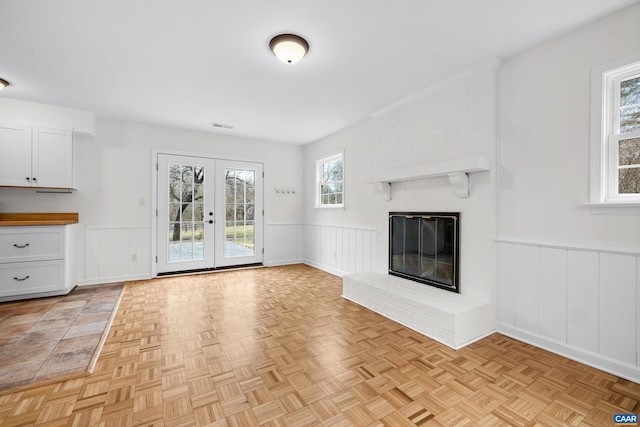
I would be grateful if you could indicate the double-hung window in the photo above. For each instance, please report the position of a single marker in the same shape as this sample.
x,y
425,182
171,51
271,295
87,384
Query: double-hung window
x,y
624,136
616,141
330,182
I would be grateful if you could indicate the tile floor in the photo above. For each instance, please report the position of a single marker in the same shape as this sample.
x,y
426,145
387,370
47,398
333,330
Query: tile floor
x,y
41,339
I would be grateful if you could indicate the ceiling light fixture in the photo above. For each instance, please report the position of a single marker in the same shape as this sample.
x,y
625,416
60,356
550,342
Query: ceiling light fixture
x,y
3,83
289,48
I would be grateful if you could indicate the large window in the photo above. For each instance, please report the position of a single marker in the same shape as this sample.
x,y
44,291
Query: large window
x,y
624,133
616,135
330,182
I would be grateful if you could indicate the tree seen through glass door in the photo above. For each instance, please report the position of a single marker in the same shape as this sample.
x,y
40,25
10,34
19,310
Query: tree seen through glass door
x,y
239,212
186,212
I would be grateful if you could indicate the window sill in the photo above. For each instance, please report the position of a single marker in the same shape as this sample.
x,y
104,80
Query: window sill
x,y
323,208
614,208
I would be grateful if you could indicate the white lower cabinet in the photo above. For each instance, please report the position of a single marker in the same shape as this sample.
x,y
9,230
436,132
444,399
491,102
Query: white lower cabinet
x,y
37,261
21,278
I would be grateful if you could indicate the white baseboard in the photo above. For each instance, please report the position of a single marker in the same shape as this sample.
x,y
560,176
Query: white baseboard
x,y
325,268
114,279
598,361
283,262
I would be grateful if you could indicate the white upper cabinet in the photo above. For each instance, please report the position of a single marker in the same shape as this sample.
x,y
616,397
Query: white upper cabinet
x,y
15,155
51,157
35,156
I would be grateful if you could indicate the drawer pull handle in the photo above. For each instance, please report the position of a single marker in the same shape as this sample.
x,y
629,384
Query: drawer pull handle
x,y
20,246
21,280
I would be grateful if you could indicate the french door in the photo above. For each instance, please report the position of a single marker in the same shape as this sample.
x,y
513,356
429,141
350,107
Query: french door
x,y
239,207
209,213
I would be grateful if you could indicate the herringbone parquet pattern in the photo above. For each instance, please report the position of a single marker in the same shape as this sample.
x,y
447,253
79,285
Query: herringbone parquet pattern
x,y
279,347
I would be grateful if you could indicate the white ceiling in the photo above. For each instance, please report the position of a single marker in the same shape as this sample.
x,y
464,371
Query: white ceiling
x,y
188,63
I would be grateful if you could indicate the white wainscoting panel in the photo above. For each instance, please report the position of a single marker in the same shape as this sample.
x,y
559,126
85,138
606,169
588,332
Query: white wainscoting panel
x,y
553,293
283,244
527,291
114,254
506,295
580,301
618,306
339,250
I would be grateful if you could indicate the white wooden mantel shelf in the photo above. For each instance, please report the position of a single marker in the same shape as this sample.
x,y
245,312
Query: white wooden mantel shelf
x,y
456,170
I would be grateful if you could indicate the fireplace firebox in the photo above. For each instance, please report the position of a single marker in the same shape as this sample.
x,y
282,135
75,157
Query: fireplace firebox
x,y
424,247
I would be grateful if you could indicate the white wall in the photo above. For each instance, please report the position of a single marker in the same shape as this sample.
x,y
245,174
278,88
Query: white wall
x,y
567,279
81,121
457,121
115,187
544,135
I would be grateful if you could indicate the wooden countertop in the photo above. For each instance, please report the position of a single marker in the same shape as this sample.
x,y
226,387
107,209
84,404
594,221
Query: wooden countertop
x,y
40,218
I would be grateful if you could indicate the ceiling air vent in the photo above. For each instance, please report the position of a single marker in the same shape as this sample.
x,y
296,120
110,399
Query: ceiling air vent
x,y
221,125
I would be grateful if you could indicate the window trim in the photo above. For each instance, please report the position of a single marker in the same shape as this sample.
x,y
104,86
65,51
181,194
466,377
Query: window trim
x,y
601,171
318,180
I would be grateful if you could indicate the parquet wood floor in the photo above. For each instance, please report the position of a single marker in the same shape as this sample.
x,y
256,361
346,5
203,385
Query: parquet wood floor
x,y
280,347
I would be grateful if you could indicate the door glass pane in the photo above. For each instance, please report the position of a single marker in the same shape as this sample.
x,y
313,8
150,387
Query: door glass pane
x,y
186,227
174,241
239,212
187,211
174,212
198,212
198,193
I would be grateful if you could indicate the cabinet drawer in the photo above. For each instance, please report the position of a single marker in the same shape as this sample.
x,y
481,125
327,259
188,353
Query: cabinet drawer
x,y
31,243
31,277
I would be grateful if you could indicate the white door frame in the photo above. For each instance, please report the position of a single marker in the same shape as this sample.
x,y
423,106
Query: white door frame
x,y
154,193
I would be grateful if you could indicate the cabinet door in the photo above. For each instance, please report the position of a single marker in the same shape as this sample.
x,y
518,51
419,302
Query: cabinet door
x,y
15,155
52,158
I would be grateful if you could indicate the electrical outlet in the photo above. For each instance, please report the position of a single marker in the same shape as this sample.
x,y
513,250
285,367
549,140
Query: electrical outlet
x,y
134,258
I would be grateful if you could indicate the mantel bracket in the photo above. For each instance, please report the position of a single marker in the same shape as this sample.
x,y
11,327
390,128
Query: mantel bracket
x,y
460,182
386,189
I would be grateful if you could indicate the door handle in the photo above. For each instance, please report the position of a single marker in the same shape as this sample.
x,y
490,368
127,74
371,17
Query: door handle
x,y
210,213
210,221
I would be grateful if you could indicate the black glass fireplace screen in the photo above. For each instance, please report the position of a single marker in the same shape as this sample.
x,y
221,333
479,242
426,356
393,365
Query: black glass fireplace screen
x,y
425,247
